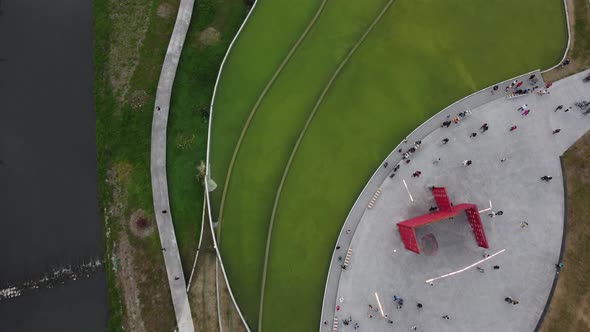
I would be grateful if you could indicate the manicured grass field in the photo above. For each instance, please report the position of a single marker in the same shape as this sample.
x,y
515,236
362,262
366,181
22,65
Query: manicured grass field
x,y
422,56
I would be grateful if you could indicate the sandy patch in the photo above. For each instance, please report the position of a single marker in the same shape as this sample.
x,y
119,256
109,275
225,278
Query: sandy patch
x,y
209,36
165,10
140,224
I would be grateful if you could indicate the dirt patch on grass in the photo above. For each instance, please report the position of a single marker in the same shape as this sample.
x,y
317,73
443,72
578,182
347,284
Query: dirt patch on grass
x,y
140,224
130,20
569,309
579,51
165,10
209,36
230,319
203,295
138,99
127,280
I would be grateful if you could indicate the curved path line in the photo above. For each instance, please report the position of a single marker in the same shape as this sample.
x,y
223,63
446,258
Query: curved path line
x,y
159,179
255,108
296,147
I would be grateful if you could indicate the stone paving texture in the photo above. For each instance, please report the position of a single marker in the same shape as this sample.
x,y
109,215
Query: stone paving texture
x,y
473,300
172,261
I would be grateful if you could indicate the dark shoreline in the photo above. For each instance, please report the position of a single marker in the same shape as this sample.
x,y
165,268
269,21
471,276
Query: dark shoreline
x,y
48,174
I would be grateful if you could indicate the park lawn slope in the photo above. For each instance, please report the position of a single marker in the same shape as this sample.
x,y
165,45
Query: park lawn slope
x,y
267,37
213,26
271,136
421,57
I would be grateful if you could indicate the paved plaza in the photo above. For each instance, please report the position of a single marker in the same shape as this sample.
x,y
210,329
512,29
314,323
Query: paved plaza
x,y
528,234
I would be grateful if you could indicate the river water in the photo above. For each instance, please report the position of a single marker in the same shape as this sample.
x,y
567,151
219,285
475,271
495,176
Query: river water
x,y
49,215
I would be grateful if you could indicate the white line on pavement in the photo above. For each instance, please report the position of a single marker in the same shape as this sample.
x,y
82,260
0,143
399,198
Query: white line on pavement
x,y
408,190
466,268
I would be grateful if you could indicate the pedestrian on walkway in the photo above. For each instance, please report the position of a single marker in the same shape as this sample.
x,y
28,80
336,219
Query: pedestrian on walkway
x,y
445,141
446,317
480,269
548,85
419,305
508,299
519,84
513,128
396,168
567,109
523,107
436,161
473,135
546,178
495,88
543,92
496,267
386,164
502,160
556,131
466,162
524,224
484,127
416,174
531,77
558,108
525,113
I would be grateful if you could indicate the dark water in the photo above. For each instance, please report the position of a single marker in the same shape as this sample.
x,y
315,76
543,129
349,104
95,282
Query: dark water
x,y
48,184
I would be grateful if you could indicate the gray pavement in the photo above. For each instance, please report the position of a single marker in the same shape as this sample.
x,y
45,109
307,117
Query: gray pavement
x,y
473,300
158,170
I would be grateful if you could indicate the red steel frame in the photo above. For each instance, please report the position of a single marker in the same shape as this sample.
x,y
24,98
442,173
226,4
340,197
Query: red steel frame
x,y
446,210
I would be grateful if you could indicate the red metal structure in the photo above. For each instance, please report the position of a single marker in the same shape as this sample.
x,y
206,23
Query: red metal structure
x,y
446,210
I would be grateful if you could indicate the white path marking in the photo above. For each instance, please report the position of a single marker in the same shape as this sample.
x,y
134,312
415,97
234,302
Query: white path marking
x,y
466,268
379,303
408,190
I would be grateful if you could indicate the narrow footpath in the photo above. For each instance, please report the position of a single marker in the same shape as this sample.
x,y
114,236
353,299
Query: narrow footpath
x,y
174,270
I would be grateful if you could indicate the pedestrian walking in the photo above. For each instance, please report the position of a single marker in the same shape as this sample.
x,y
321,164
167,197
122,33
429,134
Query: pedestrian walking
x,y
531,77
518,84
396,168
466,162
546,178
502,160
548,85
508,299
414,328
513,128
496,267
385,165
525,113
556,131
543,92
523,107
494,89
567,109
419,305
473,135
446,317
524,224
480,269
416,174
436,161
445,141
558,108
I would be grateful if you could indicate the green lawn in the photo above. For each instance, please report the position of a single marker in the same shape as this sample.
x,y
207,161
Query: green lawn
x,y
421,57
271,31
187,126
287,103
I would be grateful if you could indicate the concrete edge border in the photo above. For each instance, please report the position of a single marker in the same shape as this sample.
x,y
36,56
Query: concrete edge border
x,y
220,261
188,286
556,278
569,37
354,206
208,169
298,142
254,109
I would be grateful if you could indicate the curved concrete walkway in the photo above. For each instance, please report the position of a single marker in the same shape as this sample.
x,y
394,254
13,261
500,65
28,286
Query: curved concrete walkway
x,y
379,263
174,270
